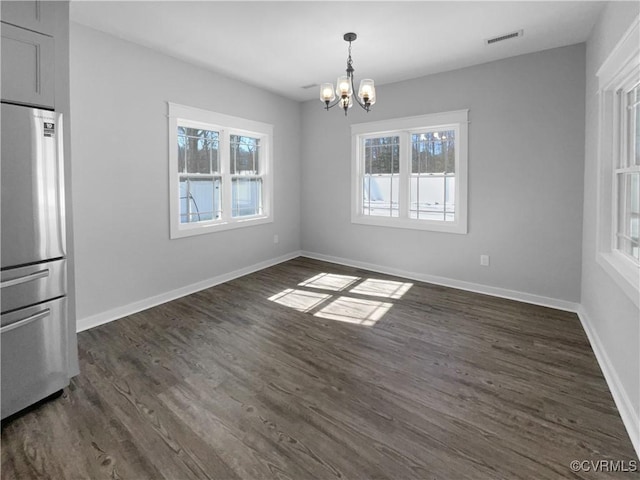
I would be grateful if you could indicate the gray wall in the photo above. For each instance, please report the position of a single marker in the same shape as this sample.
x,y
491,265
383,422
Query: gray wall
x,y
123,253
529,182
612,316
526,156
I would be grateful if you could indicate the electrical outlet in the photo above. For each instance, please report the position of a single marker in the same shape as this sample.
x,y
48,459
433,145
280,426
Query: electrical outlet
x,y
484,260
276,239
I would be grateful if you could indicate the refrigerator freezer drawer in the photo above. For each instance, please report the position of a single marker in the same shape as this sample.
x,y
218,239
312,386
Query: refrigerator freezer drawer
x,y
32,193
34,354
32,284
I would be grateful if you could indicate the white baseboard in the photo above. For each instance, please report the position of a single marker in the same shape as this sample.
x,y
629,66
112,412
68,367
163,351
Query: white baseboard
x,y
621,398
625,406
449,282
131,308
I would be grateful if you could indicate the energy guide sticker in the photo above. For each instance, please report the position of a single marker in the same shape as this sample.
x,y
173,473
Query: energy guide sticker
x,y
49,129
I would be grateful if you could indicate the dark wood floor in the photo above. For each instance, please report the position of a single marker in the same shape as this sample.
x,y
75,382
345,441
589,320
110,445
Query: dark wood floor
x,y
314,370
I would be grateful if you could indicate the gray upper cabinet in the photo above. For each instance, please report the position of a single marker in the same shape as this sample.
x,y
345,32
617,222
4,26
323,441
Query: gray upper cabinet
x,y
37,15
27,67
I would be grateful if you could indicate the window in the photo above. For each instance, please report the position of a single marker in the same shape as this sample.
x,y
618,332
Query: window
x,y
627,174
381,176
199,174
618,221
411,172
220,171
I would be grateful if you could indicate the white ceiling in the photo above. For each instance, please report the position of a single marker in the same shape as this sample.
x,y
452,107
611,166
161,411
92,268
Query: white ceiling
x,y
281,46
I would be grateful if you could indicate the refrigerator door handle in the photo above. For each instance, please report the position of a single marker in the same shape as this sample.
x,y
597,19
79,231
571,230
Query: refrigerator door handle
x,y
27,278
25,321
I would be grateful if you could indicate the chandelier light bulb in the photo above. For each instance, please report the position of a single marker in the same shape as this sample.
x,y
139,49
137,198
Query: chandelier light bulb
x,y
343,87
367,91
326,93
346,102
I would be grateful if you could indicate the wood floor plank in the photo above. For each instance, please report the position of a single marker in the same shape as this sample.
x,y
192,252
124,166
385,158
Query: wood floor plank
x,y
315,370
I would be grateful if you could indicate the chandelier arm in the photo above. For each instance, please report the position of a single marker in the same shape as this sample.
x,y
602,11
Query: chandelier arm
x,y
327,106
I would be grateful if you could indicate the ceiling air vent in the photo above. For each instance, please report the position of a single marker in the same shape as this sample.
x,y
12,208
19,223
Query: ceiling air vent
x,y
506,36
311,85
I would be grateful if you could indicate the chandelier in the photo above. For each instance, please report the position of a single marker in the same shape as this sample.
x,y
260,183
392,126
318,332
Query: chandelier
x,y
343,94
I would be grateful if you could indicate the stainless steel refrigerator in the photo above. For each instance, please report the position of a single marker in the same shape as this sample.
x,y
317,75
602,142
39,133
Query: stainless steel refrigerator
x,y
34,325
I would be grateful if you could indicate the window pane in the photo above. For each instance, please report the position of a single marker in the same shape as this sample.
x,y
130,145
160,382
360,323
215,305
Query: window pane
x,y
381,180
432,197
197,150
633,126
380,195
622,204
245,153
382,155
433,152
246,197
199,199
629,213
450,198
182,150
633,213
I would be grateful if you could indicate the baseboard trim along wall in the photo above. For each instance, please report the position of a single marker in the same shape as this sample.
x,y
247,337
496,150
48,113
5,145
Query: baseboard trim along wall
x,y
135,307
625,407
620,397
449,282
131,308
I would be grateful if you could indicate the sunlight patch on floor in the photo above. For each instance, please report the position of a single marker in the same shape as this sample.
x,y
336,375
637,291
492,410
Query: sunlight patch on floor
x,y
300,300
382,288
352,309
355,310
329,281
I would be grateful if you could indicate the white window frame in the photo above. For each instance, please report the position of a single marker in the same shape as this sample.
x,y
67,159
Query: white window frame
x,y
226,125
404,127
620,70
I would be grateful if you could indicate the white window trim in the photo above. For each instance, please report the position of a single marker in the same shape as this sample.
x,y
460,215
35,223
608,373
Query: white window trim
x,y
457,120
617,70
227,125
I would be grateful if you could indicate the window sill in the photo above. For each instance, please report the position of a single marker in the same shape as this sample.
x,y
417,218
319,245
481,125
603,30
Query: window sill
x,y
433,226
626,275
189,230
